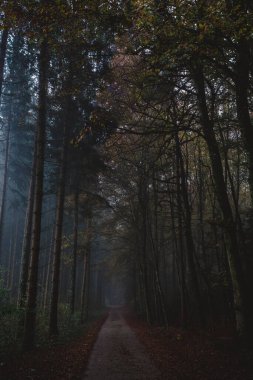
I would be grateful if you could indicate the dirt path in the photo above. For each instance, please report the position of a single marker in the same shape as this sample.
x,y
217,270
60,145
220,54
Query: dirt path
x,y
118,355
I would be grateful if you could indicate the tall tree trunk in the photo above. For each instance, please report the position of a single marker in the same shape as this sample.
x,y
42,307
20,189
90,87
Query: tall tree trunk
x,y
202,242
86,274
162,316
5,179
48,276
143,200
179,247
83,290
75,241
53,314
10,255
241,78
222,196
3,49
30,317
14,257
190,246
242,87
26,248
47,256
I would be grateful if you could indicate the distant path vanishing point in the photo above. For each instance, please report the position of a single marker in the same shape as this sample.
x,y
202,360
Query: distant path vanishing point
x,y
118,355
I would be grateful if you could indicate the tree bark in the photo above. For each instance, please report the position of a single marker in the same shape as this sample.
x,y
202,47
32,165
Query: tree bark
x,y
14,257
161,311
86,274
222,196
53,314
75,241
3,49
49,266
179,247
241,79
26,249
5,179
190,246
143,200
30,316
242,103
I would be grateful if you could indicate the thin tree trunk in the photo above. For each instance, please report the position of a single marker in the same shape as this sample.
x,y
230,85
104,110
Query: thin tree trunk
x,y
234,196
46,258
179,250
13,264
143,201
30,317
241,79
86,275
188,232
49,266
8,282
26,248
75,239
83,290
154,244
88,269
3,49
222,196
53,314
5,179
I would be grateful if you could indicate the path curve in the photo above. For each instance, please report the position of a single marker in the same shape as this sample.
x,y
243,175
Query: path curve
x,y
118,355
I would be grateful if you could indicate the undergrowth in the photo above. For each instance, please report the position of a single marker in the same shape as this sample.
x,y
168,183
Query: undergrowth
x,y
11,335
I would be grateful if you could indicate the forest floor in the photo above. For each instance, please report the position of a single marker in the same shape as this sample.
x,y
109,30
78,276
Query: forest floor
x,y
193,355
66,361
125,348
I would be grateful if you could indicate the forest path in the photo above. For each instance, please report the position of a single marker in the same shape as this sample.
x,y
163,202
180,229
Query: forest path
x,y
118,355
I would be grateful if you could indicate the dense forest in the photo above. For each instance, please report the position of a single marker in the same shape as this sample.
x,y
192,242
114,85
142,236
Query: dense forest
x,y
126,165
